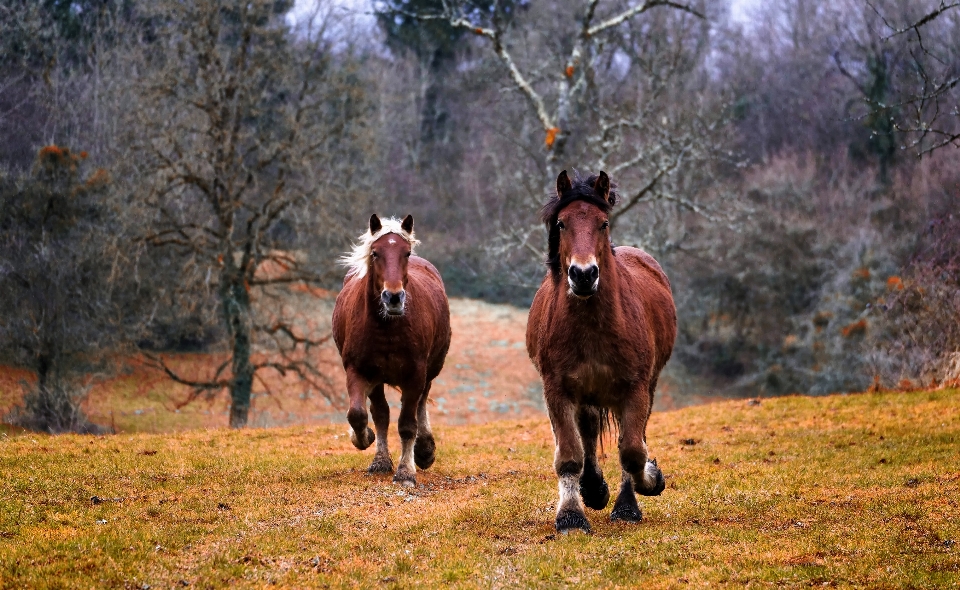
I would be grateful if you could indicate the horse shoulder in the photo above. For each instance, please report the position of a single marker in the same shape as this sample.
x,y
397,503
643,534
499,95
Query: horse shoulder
x,y
536,319
426,279
345,310
655,300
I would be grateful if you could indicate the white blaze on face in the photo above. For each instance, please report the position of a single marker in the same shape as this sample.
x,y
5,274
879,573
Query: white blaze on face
x,y
392,241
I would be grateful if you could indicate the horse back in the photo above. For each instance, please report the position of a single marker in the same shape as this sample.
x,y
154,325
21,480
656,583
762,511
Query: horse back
x,y
650,288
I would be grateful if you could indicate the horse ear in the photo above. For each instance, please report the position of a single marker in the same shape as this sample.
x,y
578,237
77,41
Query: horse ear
x,y
375,224
407,224
602,187
563,183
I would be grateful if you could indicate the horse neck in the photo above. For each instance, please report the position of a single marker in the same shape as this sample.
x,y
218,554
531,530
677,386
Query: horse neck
x,y
371,297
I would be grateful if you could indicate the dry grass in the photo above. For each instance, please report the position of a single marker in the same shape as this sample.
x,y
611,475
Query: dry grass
x,y
859,490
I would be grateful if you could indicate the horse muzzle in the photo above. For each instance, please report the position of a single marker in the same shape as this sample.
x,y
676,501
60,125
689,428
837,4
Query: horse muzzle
x,y
583,280
393,302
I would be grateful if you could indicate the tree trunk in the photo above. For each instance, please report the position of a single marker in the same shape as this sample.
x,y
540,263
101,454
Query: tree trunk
x,y
236,309
43,371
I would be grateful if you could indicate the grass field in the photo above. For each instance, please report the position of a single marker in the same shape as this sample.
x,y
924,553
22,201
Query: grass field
x,y
857,490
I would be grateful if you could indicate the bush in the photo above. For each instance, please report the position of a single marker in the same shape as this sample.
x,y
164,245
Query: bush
x,y
920,317
54,408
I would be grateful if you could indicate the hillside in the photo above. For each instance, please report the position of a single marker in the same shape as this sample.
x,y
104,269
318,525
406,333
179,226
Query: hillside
x,y
856,490
487,376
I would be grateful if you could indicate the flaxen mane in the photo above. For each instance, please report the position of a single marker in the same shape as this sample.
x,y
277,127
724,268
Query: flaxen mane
x,y
358,259
581,190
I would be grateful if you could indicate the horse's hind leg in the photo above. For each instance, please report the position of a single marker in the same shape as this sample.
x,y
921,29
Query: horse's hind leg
x,y
360,435
626,507
593,488
424,450
380,411
567,460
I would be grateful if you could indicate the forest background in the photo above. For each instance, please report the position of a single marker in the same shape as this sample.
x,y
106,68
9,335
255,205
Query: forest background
x,y
176,176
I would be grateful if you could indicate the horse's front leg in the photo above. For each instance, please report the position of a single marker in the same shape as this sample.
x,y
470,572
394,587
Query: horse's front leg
x,y
567,458
424,451
380,411
407,428
593,488
359,388
639,474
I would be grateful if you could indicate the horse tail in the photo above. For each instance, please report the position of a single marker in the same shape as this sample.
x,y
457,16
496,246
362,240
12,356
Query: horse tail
x,y
609,425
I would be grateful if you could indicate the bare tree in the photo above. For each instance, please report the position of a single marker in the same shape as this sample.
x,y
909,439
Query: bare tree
x,y
924,104
617,88
251,143
58,289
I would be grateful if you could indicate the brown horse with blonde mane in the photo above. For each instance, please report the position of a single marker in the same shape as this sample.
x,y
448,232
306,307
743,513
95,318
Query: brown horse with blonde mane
x,y
601,328
391,323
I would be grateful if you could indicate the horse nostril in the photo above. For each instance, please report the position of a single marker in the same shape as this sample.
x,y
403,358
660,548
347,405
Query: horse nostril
x,y
392,299
580,275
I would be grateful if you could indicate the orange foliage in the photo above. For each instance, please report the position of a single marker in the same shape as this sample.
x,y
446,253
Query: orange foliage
x,y
99,177
318,292
862,273
569,71
551,136
858,328
894,283
478,31
51,151
83,155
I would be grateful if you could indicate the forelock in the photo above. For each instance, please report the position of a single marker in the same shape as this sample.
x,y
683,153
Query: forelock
x,y
581,189
357,259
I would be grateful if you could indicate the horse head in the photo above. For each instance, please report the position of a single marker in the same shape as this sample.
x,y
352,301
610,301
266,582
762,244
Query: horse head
x,y
383,251
578,223
389,255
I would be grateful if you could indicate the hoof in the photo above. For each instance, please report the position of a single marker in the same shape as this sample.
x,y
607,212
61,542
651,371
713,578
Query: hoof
x,y
424,452
381,465
626,513
368,438
570,520
652,482
405,478
595,493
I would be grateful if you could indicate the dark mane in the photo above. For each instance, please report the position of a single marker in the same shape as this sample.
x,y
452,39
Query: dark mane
x,y
581,190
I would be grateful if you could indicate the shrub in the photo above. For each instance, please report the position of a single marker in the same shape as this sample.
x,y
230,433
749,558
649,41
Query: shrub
x,y
54,408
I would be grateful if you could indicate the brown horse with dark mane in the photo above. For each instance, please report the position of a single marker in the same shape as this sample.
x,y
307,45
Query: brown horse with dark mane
x,y
391,323
601,328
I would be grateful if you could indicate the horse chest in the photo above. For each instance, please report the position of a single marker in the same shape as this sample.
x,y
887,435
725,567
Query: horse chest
x,y
387,356
595,365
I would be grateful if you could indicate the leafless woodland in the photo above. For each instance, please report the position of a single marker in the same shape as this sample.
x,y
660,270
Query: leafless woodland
x,y
168,169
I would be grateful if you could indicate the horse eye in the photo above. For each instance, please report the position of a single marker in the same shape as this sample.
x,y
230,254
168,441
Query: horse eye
x,y
605,225
373,254
560,225
408,254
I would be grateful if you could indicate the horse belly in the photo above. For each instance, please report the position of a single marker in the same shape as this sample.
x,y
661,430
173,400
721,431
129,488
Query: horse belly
x,y
592,383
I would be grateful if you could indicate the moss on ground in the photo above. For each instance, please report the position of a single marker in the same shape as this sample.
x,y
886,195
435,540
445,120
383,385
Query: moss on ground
x,y
854,490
